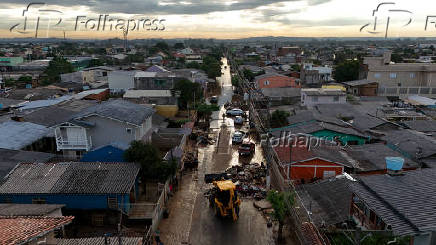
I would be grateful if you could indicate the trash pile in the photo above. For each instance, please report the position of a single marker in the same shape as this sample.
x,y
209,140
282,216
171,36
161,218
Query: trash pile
x,y
250,180
190,160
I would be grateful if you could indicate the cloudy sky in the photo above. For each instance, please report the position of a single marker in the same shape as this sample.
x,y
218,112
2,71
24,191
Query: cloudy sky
x,y
218,18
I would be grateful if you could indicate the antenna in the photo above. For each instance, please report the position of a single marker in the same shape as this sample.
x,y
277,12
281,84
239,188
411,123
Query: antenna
x,y
125,32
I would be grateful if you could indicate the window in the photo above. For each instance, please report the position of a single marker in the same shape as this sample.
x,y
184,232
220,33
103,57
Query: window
x,y
328,174
266,82
38,201
315,98
129,130
336,98
112,203
97,219
377,75
104,74
412,75
393,75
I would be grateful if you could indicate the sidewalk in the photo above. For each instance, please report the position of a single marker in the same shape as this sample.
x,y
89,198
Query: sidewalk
x,y
175,229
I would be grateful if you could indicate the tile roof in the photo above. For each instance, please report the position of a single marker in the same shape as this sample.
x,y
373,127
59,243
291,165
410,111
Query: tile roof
x,y
329,200
371,157
406,202
121,110
16,135
10,209
312,127
70,178
21,230
100,241
300,154
422,125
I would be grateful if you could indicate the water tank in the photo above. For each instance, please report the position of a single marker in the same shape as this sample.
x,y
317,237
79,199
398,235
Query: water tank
x,y
394,163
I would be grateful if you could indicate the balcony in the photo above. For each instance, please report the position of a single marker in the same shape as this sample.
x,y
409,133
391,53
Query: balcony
x,y
72,138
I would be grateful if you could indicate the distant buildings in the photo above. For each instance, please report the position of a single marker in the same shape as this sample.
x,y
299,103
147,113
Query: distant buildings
x,y
315,75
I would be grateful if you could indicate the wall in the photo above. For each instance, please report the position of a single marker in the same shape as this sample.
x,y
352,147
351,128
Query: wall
x,y
167,110
72,201
120,81
308,171
307,100
107,131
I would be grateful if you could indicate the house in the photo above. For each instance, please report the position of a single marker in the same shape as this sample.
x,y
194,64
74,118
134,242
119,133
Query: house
x,y
77,185
154,80
424,126
303,164
328,200
281,96
10,158
362,87
155,60
316,96
401,203
120,81
275,80
401,79
370,158
186,51
283,51
31,230
112,121
100,241
323,131
163,101
315,74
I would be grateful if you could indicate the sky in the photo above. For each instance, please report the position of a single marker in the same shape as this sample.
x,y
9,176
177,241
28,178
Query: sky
x,y
221,19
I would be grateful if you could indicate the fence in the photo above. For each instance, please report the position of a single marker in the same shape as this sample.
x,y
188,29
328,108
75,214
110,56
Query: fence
x,y
260,115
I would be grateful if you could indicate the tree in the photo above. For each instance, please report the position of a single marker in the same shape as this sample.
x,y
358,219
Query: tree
x,y
236,81
189,92
282,203
25,79
212,66
248,74
279,119
193,65
205,110
152,165
162,46
347,71
179,46
57,66
96,62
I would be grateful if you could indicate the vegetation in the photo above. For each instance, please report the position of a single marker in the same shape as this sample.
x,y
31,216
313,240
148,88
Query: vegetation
x,y
56,67
152,165
347,71
193,65
212,66
189,92
282,203
96,62
236,81
205,110
279,119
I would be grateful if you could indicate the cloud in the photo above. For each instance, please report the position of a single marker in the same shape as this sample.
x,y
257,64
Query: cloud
x,y
192,7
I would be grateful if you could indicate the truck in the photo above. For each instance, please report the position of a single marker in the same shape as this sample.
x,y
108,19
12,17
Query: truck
x,y
223,197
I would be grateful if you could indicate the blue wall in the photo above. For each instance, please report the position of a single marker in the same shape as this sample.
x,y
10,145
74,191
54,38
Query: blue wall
x,y
71,201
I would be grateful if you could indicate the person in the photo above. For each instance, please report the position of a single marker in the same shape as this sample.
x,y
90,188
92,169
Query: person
x,y
157,237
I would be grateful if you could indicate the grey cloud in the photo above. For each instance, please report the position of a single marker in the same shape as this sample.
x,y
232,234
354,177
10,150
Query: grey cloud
x,y
153,7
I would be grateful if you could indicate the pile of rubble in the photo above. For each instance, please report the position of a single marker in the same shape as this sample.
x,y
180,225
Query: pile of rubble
x,y
250,180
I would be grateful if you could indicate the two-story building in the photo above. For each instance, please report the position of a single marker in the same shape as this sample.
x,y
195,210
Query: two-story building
x,y
103,124
316,96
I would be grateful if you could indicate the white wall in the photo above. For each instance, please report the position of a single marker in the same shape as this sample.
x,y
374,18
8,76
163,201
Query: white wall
x,y
120,81
308,100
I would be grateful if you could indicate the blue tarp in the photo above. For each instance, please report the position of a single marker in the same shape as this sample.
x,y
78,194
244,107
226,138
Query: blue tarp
x,y
107,153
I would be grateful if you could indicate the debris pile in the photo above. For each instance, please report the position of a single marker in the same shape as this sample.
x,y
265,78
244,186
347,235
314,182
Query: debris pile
x,y
250,180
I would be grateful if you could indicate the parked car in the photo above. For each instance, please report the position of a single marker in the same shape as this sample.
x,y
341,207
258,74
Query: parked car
x,y
213,100
235,112
238,120
247,148
238,137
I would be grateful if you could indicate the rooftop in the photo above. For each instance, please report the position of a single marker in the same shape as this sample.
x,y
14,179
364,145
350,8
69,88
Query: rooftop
x,y
406,202
100,241
322,92
17,135
10,158
22,230
10,209
70,178
120,110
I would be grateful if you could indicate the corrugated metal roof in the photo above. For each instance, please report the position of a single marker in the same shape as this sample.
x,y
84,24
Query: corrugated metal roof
x,y
44,103
17,135
70,178
10,209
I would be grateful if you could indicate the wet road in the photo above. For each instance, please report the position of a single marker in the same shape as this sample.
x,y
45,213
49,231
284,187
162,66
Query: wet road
x,y
205,228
